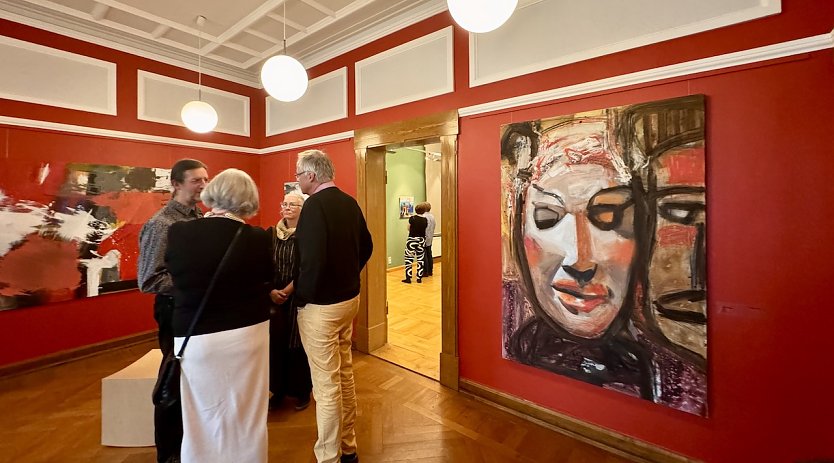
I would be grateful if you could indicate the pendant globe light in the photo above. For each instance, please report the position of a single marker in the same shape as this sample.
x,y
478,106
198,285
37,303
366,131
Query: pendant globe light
x,y
198,115
481,16
283,77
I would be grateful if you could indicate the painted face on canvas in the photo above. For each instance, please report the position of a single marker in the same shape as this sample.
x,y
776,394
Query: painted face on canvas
x,y
677,281
578,231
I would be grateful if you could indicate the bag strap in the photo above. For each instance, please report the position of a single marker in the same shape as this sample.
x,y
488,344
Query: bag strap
x,y
208,291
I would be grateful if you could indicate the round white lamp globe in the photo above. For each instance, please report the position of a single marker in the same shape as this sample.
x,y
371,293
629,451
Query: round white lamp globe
x,y
284,78
199,116
481,15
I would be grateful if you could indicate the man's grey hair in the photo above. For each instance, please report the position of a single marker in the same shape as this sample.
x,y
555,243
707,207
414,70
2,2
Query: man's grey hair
x,y
316,161
234,191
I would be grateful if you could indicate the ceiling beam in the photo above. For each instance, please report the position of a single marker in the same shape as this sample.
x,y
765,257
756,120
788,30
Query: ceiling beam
x,y
159,31
323,9
241,49
243,24
262,36
99,11
154,18
324,22
286,21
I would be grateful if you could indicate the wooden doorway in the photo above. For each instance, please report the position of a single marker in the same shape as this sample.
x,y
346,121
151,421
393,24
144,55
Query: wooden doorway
x,y
370,146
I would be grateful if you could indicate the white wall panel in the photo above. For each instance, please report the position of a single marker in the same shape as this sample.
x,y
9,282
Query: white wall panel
x,y
43,75
325,101
161,98
552,33
412,71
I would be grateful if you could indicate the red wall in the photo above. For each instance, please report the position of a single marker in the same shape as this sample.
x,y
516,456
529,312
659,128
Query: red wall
x,y
37,331
34,332
769,158
769,153
279,167
127,66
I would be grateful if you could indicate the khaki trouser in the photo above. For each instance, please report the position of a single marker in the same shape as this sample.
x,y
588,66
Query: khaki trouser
x,y
325,332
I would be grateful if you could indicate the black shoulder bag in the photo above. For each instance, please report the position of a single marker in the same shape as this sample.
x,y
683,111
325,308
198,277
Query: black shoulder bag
x,y
166,391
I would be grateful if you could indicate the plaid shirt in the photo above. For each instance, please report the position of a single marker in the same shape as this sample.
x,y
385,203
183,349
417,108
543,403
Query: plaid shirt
x,y
153,276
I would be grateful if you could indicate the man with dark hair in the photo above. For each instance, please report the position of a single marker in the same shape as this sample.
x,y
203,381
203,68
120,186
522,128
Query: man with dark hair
x,y
188,178
333,246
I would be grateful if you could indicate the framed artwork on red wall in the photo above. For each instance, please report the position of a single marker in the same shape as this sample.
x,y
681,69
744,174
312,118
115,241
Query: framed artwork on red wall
x,y
604,245
83,242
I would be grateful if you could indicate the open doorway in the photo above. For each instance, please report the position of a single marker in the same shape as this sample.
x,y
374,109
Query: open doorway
x,y
439,133
414,216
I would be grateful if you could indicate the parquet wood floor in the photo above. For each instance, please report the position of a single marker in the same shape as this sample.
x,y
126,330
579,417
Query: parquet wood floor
x,y
53,415
414,330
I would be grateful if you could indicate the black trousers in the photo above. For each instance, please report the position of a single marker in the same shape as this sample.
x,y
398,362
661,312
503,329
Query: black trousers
x,y
289,371
428,261
167,422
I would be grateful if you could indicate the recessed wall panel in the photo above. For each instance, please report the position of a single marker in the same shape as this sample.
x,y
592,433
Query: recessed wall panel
x,y
413,71
324,101
161,98
43,75
550,33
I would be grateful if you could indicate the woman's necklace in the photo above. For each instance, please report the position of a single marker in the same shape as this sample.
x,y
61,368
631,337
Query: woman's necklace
x,y
227,215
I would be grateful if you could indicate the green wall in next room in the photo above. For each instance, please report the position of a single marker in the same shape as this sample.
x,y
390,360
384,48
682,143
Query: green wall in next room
x,y
406,171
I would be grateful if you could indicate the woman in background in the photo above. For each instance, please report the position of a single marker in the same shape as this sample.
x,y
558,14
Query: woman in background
x,y
414,244
225,376
289,372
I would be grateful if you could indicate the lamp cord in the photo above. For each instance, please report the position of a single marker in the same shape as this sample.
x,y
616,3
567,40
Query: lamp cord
x,y
200,64
284,22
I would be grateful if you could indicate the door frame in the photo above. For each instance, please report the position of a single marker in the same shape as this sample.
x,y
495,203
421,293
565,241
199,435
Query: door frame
x,y
370,145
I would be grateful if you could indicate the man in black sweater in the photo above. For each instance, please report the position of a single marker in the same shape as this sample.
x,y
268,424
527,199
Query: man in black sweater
x,y
333,246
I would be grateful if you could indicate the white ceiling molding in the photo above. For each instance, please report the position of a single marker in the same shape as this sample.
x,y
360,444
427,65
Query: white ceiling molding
x,y
239,35
75,28
544,35
379,30
753,55
309,142
132,136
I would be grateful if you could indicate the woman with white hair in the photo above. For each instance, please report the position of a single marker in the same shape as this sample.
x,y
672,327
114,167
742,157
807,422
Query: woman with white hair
x,y
289,372
225,373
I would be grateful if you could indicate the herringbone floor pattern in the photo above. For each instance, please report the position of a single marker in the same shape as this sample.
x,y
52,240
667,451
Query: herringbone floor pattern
x,y
53,415
414,329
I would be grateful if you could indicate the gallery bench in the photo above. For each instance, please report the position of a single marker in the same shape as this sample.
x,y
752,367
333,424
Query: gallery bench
x,y
126,408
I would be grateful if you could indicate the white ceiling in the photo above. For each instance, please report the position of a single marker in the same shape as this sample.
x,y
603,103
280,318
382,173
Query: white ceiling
x,y
238,35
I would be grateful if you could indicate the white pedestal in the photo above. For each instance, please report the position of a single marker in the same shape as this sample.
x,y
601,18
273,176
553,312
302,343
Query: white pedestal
x,y
126,407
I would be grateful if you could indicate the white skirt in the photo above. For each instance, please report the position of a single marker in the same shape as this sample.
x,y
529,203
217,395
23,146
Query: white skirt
x,y
225,394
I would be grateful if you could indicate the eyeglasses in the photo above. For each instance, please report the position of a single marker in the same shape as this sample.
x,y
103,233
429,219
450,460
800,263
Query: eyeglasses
x,y
298,174
286,205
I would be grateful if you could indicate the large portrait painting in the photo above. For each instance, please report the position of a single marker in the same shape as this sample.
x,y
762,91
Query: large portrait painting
x,y
81,239
604,272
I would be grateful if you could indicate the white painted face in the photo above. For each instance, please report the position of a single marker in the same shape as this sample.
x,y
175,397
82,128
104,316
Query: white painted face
x,y
579,244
